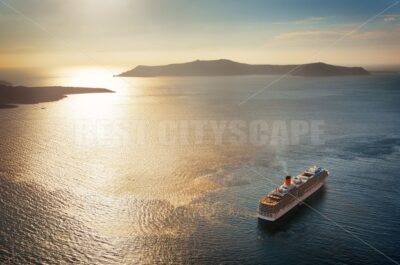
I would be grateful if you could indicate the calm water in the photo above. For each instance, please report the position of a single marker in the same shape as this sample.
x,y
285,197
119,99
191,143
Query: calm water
x,y
113,200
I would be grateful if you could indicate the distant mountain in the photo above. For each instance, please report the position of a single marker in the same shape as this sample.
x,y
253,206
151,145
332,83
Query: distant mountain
x,y
227,67
5,83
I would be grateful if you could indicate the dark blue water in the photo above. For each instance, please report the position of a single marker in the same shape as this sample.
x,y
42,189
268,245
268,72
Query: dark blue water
x,y
196,204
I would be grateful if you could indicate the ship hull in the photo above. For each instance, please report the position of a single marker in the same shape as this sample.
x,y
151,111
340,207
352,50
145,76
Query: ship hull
x,y
287,209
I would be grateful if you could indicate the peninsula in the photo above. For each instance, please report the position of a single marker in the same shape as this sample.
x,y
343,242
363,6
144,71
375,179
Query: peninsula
x,y
11,96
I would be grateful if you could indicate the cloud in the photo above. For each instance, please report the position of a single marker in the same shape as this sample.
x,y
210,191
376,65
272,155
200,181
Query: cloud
x,y
306,21
391,18
307,36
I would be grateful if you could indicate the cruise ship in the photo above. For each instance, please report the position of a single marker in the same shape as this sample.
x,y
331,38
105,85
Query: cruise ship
x,y
291,193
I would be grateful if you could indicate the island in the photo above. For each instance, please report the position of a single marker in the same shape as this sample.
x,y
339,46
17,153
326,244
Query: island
x,y
11,96
224,67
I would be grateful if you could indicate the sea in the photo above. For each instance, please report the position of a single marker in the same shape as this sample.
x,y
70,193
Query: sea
x,y
169,170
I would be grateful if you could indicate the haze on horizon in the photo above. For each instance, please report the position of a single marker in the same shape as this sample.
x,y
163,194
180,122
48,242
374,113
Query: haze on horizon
x,y
123,33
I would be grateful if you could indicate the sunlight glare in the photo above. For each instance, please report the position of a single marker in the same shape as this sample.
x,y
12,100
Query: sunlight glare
x,y
90,77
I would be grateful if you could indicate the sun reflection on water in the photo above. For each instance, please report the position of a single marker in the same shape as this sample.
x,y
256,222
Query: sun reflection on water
x,y
125,194
90,77
98,105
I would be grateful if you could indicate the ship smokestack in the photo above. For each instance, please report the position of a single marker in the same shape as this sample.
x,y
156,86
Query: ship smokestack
x,y
288,181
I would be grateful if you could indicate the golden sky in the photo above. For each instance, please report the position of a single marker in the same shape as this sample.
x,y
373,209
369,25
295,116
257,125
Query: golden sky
x,y
123,33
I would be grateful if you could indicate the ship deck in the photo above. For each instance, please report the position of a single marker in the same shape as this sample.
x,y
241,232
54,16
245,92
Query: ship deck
x,y
269,201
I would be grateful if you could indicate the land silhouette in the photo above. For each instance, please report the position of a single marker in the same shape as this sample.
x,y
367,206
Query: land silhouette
x,y
11,96
224,67
5,83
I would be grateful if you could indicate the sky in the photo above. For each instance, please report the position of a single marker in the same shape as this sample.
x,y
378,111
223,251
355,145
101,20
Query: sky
x,y
126,33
